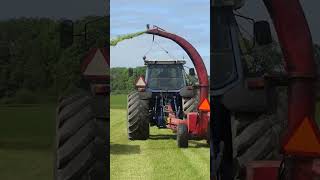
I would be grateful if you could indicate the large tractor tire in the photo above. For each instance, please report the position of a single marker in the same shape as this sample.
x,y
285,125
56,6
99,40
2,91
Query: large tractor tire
x,y
81,140
138,116
182,136
257,137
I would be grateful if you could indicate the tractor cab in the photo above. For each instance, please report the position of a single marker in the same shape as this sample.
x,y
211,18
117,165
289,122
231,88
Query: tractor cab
x,y
166,98
166,82
237,74
165,75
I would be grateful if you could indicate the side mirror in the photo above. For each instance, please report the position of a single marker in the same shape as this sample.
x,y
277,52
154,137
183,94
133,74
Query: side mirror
x,y
66,33
262,33
4,50
130,72
191,72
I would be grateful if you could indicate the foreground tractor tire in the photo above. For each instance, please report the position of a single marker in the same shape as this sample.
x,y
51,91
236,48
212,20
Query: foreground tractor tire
x,y
182,136
138,116
81,140
257,137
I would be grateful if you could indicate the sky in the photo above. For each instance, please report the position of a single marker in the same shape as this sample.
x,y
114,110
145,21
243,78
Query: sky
x,y
189,19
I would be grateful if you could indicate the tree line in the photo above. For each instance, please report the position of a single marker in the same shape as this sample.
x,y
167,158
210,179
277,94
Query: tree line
x,y
122,82
33,67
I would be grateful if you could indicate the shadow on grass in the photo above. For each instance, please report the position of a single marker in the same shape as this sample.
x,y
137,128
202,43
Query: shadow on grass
x,y
162,136
124,149
195,144
192,143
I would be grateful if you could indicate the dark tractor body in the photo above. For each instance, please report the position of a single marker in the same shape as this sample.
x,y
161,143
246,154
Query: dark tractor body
x,y
166,92
165,80
165,99
82,117
159,102
259,100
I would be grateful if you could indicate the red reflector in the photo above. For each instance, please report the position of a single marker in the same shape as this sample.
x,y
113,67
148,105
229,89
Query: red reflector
x,y
256,83
205,105
305,140
141,82
100,88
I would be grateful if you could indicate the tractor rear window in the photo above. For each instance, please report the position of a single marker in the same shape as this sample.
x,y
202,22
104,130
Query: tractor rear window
x,y
165,77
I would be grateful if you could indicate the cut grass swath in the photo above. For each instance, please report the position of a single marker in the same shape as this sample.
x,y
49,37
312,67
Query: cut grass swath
x,y
156,158
114,42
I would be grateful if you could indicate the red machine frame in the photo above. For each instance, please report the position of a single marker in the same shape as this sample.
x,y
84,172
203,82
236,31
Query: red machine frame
x,y
197,122
296,43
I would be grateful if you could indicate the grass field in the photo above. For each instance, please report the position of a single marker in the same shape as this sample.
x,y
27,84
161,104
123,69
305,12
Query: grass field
x,y
118,101
156,158
26,137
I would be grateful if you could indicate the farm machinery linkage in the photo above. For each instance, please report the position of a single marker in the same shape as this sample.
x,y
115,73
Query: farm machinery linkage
x,y
163,97
263,126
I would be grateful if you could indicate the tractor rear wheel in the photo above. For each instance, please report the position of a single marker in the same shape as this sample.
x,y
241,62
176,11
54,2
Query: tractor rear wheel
x,y
182,136
138,116
81,140
256,137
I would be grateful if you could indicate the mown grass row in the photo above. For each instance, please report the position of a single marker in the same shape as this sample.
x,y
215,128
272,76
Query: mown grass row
x,y
156,158
26,142
27,134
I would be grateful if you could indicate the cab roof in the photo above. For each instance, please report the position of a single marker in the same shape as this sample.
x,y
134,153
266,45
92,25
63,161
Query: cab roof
x,y
165,62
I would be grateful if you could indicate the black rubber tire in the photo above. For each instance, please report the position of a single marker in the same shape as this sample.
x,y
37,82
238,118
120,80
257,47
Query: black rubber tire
x,y
257,137
81,140
182,136
189,104
138,117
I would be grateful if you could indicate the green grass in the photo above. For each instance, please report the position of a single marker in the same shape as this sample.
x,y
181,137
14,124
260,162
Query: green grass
x,y
156,158
115,41
26,138
118,101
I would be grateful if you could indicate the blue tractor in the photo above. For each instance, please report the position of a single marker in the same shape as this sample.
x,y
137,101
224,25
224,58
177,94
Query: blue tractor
x,y
165,89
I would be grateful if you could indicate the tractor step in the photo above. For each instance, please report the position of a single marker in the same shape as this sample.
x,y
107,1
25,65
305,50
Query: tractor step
x,y
263,170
